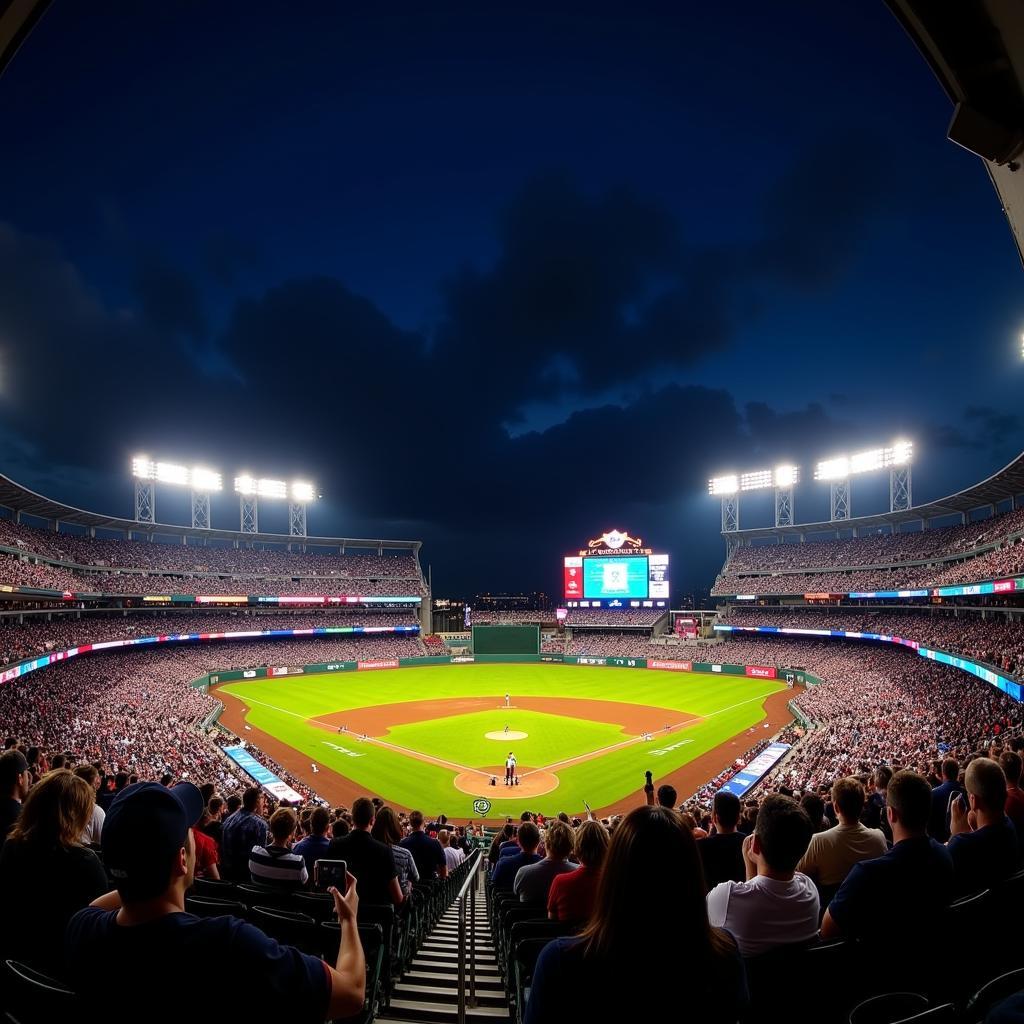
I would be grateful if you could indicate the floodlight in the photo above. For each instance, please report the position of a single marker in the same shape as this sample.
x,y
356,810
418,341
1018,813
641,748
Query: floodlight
x,y
723,485
867,462
902,452
204,480
303,492
756,481
143,468
245,484
171,473
833,469
787,476
271,488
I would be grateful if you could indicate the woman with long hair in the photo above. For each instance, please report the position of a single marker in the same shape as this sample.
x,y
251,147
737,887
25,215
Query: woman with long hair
x,y
648,938
46,874
387,829
572,896
507,834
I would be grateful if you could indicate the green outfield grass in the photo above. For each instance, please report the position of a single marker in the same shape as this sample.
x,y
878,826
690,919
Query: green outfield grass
x,y
283,707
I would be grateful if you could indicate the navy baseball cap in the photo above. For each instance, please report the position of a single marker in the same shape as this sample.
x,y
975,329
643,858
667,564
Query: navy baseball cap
x,y
145,827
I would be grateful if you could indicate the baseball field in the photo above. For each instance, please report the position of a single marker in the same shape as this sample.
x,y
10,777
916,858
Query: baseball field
x,y
434,737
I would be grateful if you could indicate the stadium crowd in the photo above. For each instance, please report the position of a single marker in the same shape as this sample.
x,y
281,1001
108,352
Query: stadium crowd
x,y
614,616
997,641
38,634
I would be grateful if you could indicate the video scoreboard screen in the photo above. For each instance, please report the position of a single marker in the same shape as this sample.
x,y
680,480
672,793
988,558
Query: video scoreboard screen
x,y
614,575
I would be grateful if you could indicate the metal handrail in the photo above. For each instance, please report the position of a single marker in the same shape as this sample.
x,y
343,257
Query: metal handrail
x,y
470,884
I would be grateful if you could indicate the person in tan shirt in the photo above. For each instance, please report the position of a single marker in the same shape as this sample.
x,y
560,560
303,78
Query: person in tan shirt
x,y
832,853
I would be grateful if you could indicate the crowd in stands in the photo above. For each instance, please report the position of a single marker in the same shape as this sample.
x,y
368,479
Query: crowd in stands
x,y
434,645
607,643
879,548
510,617
614,616
766,570
37,634
998,642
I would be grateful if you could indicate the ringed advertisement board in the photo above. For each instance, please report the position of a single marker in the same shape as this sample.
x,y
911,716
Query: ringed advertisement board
x,y
615,567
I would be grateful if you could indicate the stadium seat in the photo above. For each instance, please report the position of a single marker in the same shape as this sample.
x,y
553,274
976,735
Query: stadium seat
x,y
891,1006
207,906
319,905
384,918
769,979
289,928
524,960
264,896
373,950
37,998
993,992
967,916
212,887
946,1013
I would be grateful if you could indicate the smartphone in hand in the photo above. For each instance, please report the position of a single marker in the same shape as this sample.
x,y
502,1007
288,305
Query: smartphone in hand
x,y
330,872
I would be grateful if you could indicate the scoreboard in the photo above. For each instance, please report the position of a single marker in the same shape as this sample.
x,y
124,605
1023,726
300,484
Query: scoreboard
x,y
616,570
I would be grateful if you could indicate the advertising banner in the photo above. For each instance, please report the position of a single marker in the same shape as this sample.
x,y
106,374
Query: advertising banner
x,y
364,666
670,666
761,671
748,777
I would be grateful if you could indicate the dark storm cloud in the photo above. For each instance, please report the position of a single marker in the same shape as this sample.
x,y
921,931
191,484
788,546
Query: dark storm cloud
x,y
168,297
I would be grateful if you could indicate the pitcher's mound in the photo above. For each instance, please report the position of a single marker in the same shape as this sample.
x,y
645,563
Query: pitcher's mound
x,y
502,735
530,785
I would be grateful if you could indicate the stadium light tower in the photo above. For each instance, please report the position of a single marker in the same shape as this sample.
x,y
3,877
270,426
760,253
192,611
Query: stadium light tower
x,y
727,488
201,482
250,490
837,471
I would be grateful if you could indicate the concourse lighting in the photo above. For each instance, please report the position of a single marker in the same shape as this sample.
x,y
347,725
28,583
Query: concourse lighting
x,y
303,492
755,481
723,485
787,476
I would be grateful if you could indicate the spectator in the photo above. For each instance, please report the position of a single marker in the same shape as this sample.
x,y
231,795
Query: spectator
x,y
873,814
722,852
275,864
776,905
242,831
533,882
642,929
504,874
207,857
387,829
832,854
1011,764
506,835
15,781
983,843
316,844
93,831
902,894
573,894
144,930
45,872
667,796
452,854
814,807
938,823
369,860
426,852
212,822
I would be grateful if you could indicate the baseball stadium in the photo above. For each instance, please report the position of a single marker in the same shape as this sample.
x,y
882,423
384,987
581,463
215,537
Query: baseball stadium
x,y
286,764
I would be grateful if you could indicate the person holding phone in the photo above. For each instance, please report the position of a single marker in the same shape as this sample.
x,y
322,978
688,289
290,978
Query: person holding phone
x,y
144,928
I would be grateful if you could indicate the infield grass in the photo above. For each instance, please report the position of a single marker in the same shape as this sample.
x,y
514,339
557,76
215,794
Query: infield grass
x,y
283,707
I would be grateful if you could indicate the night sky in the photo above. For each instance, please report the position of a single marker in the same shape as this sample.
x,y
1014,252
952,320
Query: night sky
x,y
498,279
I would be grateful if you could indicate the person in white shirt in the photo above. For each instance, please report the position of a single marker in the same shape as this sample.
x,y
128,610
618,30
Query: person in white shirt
x,y
453,856
832,853
776,905
93,831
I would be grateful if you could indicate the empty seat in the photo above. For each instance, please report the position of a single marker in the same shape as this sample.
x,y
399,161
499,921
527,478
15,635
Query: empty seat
x,y
289,928
889,1007
36,998
207,906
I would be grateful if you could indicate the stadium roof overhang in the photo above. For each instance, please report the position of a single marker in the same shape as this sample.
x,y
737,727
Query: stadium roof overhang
x,y
20,499
976,50
1002,486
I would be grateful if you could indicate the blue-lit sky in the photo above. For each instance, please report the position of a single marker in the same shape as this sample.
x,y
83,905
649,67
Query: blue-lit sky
x,y
496,279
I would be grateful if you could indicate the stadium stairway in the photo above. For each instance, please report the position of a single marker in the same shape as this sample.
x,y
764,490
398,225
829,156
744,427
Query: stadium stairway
x,y
429,989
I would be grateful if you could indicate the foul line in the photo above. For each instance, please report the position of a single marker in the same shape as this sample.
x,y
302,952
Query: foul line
x,y
431,759
418,754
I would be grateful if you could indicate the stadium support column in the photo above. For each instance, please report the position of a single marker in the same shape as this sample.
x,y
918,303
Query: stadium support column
x,y
296,519
145,501
840,500
200,511
900,498
783,506
248,513
730,513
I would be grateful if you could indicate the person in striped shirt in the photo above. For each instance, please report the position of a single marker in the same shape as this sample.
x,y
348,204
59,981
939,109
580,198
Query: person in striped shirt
x,y
276,864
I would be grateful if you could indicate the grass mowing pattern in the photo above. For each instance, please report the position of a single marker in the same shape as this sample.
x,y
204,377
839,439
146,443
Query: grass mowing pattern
x,y
728,704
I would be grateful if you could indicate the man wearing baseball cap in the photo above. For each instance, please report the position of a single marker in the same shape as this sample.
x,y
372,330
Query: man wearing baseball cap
x,y
158,951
